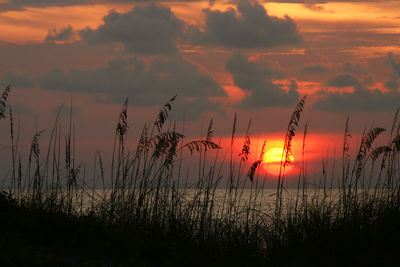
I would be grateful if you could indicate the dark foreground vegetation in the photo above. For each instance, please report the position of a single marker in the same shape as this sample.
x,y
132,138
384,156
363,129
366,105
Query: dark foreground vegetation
x,y
38,237
146,212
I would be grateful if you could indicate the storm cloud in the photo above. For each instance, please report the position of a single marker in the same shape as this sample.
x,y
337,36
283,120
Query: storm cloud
x,y
256,80
250,27
149,29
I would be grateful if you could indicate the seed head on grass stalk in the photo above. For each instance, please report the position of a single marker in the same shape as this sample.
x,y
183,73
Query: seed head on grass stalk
x,y
244,154
366,144
347,136
144,142
379,151
256,164
171,153
393,147
35,148
37,179
122,126
203,144
210,132
396,143
234,129
200,145
162,142
3,102
164,113
291,131
368,140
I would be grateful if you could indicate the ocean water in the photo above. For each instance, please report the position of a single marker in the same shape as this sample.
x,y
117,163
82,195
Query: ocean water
x,y
219,202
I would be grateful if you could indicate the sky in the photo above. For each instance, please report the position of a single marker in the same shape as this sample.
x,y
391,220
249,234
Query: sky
x,y
253,58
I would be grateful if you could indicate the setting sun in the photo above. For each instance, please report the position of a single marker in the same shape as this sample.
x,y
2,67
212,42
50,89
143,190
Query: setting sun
x,y
272,161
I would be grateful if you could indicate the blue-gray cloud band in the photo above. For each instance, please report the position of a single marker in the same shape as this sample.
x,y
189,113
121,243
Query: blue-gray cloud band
x,y
143,85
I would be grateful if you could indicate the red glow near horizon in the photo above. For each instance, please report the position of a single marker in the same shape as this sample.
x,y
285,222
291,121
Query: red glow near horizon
x,y
317,146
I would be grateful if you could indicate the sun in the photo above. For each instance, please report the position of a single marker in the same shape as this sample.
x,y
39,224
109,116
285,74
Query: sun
x,y
272,161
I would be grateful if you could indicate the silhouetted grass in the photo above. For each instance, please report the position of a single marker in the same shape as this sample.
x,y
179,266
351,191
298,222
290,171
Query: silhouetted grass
x,y
146,212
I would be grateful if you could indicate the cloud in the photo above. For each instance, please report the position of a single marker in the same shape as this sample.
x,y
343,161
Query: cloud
x,y
144,85
64,34
351,68
18,80
343,80
250,27
149,29
315,68
257,80
315,5
393,83
16,5
192,109
361,99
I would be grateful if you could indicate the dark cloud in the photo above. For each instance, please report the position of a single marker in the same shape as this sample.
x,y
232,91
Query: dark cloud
x,y
315,68
143,85
64,34
361,99
394,65
192,109
351,68
315,5
18,80
22,4
149,29
16,5
393,83
251,28
256,79
343,80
